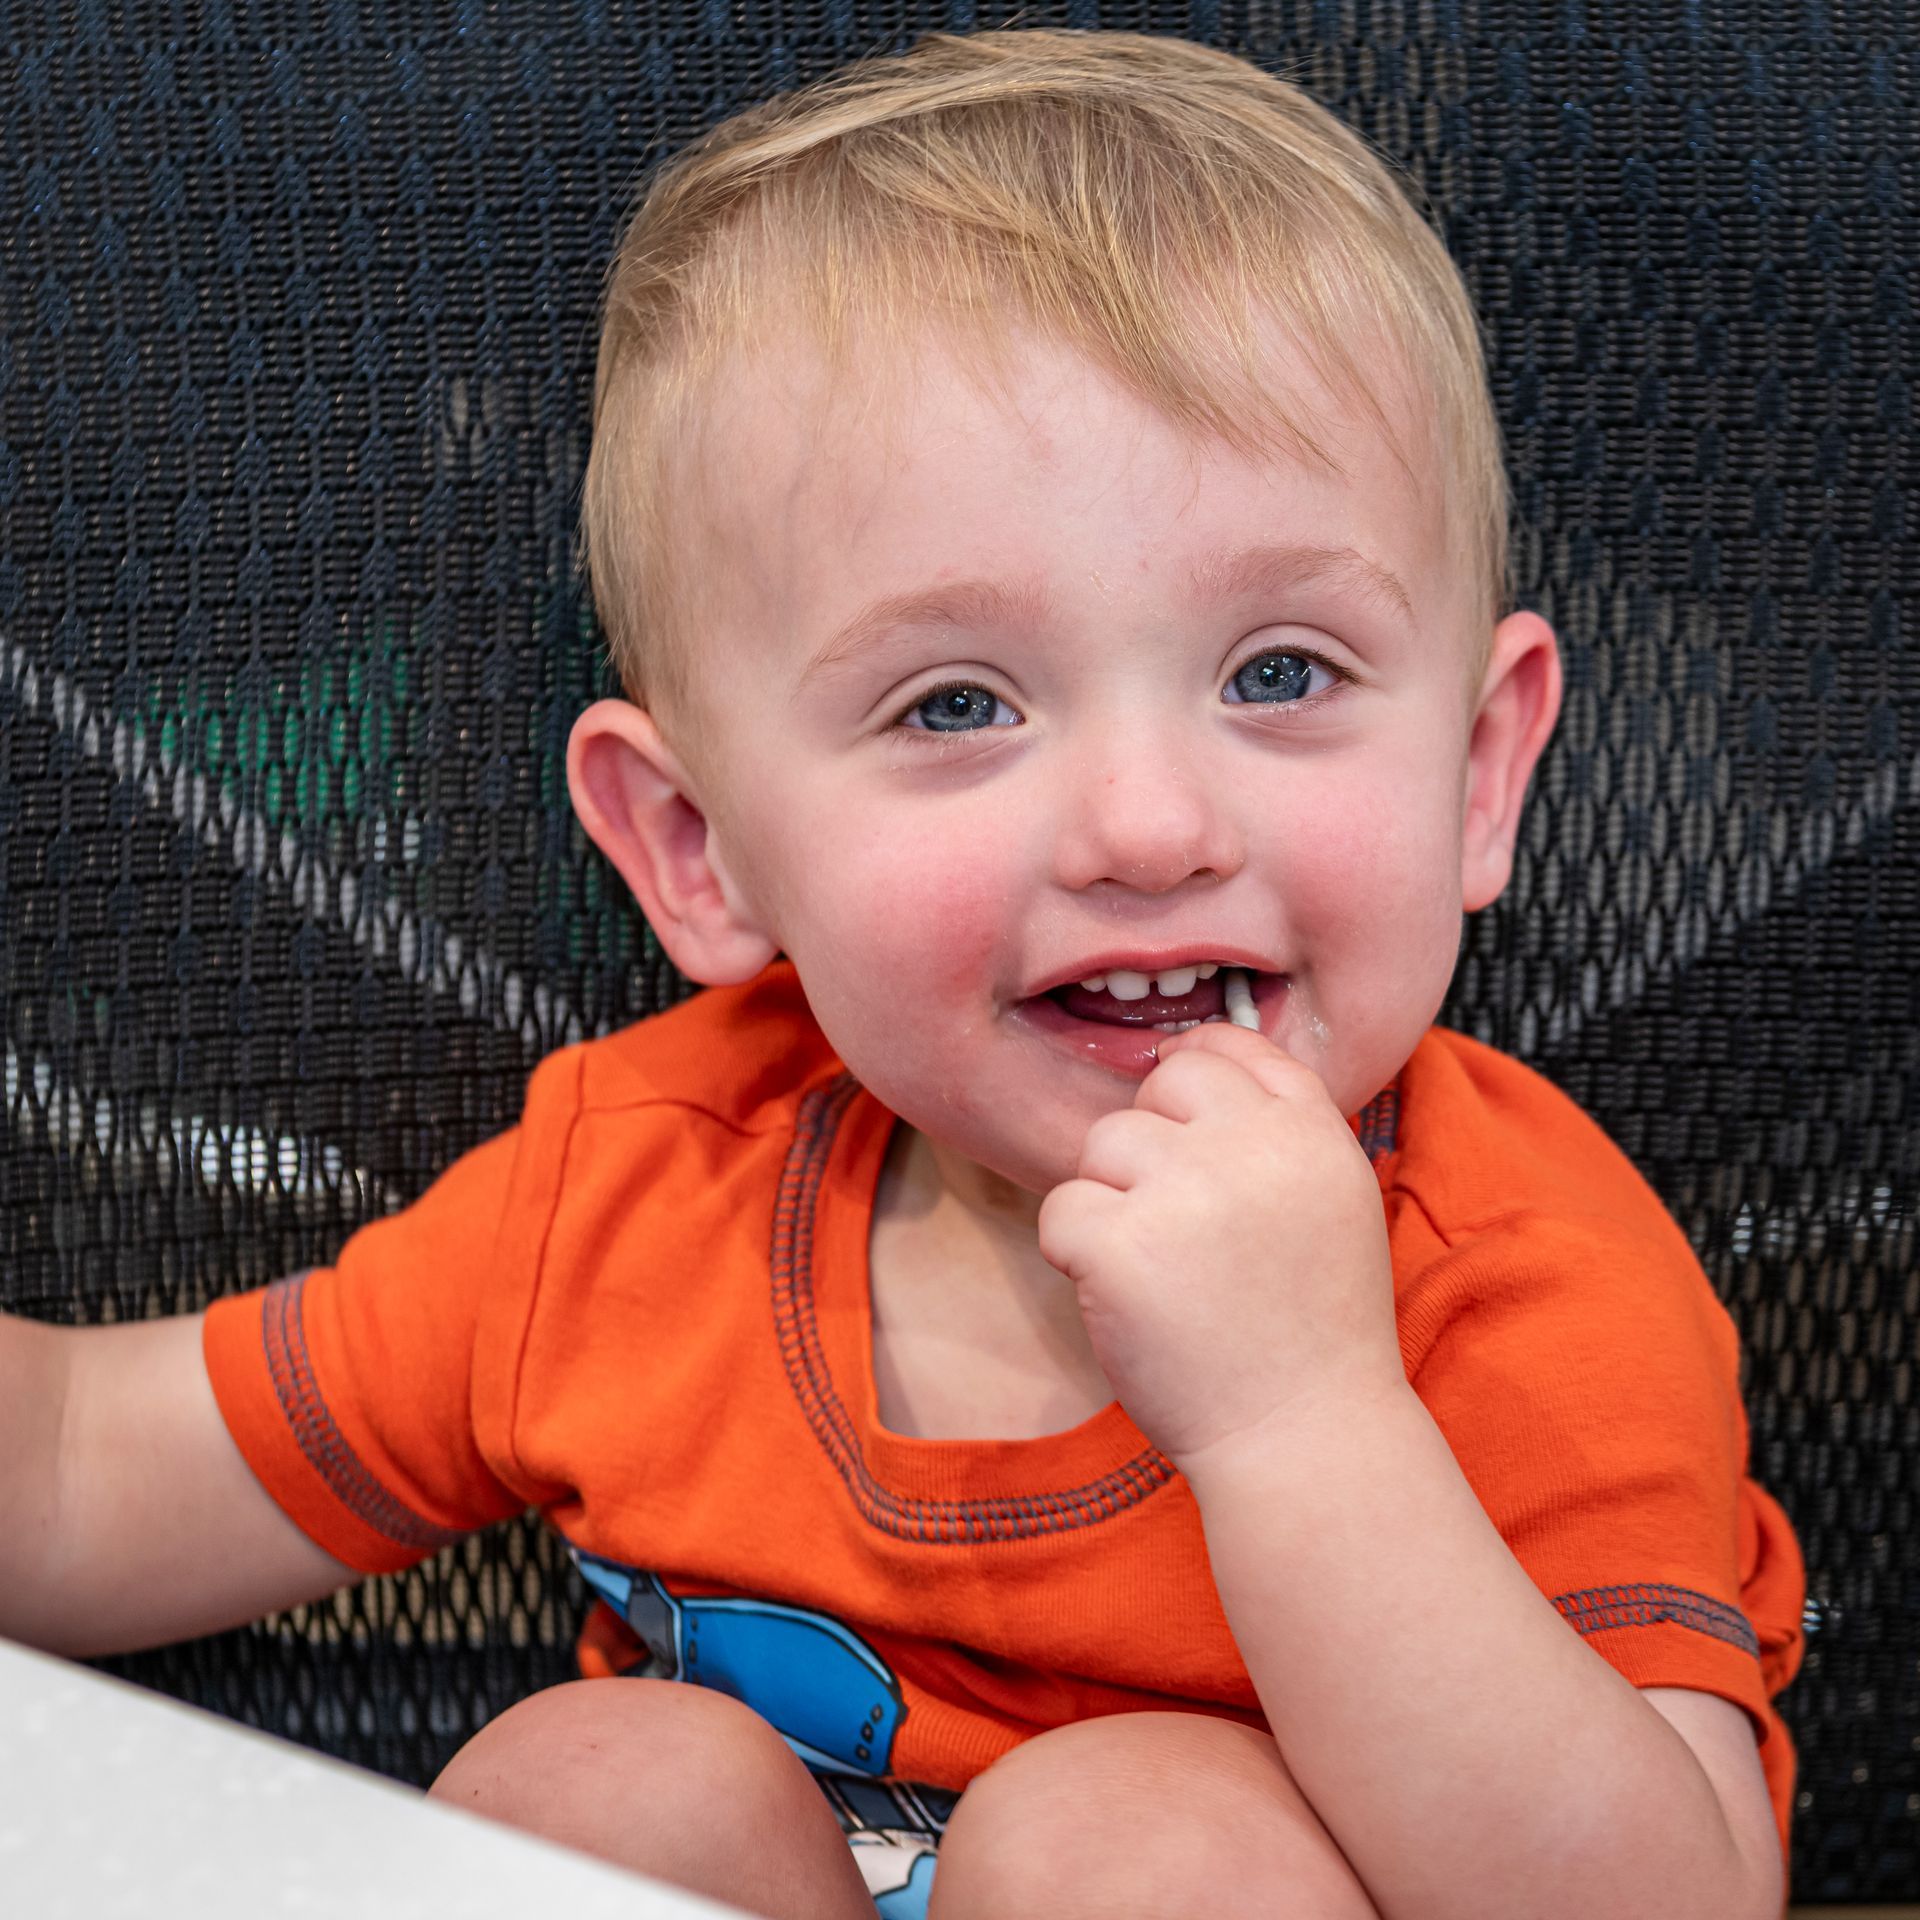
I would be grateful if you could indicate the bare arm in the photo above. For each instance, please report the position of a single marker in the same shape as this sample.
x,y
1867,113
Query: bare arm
x,y
1469,1752
128,1516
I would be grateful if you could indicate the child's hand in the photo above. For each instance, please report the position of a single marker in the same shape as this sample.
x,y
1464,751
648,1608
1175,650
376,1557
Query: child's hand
x,y
1227,1242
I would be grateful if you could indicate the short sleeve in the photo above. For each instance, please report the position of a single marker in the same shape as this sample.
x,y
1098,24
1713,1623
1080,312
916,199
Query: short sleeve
x,y
349,1389
1587,1379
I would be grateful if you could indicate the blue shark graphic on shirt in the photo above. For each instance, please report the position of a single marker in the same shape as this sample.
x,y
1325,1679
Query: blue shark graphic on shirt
x,y
833,1700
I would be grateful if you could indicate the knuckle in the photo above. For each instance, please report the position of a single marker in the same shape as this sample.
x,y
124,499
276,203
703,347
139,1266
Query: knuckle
x,y
1112,1127
1063,1207
1189,1065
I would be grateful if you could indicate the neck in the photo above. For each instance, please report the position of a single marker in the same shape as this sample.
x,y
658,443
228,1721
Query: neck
x,y
957,1248
937,1177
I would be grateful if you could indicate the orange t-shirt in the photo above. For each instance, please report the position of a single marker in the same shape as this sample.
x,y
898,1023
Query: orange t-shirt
x,y
645,1311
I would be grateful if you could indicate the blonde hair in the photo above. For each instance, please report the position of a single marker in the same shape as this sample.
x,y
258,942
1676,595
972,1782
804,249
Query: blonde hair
x,y
1099,187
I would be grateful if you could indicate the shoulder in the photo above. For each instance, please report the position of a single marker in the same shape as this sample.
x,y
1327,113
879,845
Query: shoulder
x,y
650,1152
1513,1207
1484,1138
741,1057
1554,1317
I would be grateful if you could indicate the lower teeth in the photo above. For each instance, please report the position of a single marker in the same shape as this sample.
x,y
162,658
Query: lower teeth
x,y
1181,1026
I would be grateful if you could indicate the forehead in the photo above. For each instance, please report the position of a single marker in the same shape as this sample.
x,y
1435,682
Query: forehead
x,y
819,490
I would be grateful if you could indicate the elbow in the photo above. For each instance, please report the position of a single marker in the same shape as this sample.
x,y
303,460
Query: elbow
x,y
1747,1879
1765,1882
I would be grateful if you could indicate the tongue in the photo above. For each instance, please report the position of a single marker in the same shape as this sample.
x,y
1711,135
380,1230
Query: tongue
x,y
1208,996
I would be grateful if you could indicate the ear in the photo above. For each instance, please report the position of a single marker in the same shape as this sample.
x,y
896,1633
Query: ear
x,y
1519,704
637,804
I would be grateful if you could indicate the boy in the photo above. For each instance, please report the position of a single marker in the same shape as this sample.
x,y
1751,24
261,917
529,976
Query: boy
x,y
1048,515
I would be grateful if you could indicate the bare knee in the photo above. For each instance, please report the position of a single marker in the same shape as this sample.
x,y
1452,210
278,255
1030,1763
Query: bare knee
x,y
631,1740
650,1774
1162,1815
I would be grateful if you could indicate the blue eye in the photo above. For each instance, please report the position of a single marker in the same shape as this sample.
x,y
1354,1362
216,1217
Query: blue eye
x,y
1274,679
959,707
965,706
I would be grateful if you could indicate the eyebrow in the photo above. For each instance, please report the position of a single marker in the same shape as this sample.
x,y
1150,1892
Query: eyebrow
x,y
1263,566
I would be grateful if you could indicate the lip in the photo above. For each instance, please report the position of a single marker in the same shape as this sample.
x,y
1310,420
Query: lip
x,y
1139,960
1128,1050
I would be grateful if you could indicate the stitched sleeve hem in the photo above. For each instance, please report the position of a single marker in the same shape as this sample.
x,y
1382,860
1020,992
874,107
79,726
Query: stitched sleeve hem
x,y
256,1364
1666,1636
1689,1649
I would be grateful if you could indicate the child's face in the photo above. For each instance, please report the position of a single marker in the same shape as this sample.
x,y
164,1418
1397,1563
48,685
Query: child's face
x,y
1133,796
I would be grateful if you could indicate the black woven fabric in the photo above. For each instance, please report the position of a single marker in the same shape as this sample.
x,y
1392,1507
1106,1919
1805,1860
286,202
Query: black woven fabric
x,y
296,336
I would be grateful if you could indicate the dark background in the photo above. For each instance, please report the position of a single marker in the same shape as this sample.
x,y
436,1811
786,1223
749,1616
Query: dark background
x,y
296,347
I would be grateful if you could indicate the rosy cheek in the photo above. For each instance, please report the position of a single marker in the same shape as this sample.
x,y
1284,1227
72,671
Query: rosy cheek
x,y
1371,862
929,912
1336,852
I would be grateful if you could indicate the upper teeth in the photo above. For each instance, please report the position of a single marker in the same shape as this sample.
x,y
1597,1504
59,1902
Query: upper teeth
x,y
1125,985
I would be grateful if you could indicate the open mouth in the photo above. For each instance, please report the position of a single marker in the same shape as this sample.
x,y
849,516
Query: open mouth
x,y
1120,1030
1171,1002
1116,1020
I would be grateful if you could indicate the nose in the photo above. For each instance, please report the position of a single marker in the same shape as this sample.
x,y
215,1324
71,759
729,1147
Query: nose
x,y
1147,818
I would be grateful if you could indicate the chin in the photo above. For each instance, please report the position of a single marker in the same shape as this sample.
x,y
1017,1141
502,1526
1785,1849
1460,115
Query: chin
x,y
1044,1151
1047,1152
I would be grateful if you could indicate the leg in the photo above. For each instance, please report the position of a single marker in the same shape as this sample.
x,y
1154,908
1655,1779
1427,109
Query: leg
x,y
1143,1816
672,1780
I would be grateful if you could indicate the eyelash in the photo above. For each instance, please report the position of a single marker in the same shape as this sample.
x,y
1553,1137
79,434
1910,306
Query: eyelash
x,y
898,724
